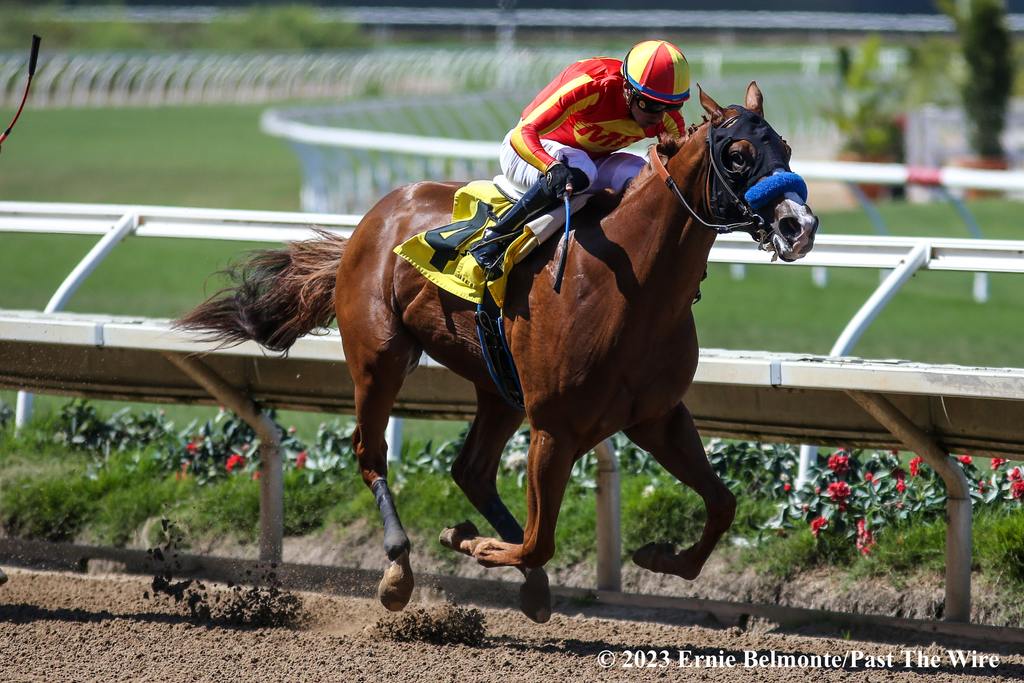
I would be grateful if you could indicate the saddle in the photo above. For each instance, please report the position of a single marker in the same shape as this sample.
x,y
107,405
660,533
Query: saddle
x,y
442,254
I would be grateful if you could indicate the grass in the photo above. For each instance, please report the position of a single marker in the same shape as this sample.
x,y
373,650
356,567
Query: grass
x,y
212,156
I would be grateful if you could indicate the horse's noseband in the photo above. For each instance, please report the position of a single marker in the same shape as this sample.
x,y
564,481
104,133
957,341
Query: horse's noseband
x,y
734,199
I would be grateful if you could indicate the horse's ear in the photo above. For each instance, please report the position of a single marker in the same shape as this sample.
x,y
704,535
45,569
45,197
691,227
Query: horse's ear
x,y
754,100
710,106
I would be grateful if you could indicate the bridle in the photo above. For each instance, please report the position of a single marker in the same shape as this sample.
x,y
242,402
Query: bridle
x,y
753,224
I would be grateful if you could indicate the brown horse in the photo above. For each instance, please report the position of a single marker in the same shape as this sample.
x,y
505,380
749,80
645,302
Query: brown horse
x,y
614,351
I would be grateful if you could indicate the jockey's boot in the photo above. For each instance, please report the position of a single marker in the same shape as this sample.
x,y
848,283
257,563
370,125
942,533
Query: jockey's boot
x,y
535,201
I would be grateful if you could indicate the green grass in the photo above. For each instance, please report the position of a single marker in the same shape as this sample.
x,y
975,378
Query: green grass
x,y
213,156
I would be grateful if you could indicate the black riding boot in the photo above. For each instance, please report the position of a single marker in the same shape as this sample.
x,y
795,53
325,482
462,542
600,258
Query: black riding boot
x,y
535,201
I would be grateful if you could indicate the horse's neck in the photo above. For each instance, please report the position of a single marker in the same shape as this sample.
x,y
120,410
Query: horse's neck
x,y
667,249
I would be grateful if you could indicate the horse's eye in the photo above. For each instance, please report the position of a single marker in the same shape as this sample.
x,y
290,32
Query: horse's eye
x,y
737,161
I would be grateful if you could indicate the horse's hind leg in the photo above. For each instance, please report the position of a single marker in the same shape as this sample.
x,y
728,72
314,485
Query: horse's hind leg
x,y
674,442
378,370
476,473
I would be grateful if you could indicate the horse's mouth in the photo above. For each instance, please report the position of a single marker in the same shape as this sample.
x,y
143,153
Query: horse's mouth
x,y
793,230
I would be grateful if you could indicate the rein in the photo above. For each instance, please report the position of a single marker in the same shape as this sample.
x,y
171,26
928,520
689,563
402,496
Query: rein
x,y
753,223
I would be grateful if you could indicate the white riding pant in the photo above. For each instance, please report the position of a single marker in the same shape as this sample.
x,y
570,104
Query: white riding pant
x,y
611,172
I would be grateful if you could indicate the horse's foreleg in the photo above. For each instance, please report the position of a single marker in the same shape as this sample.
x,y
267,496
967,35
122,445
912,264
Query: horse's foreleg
x,y
378,374
548,468
476,473
674,442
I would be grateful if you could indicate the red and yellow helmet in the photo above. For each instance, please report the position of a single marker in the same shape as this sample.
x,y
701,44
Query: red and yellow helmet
x,y
657,70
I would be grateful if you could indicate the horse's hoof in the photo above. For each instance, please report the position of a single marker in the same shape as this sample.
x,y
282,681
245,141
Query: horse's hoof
x,y
652,556
395,588
535,596
452,537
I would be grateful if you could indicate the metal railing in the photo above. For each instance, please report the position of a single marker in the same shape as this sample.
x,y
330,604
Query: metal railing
x,y
135,78
905,255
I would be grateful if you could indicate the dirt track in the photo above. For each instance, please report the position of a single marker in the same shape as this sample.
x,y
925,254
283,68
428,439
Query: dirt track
x,y
59,626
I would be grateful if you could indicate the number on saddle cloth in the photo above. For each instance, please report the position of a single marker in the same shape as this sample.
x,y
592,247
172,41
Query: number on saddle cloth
x,y
447,240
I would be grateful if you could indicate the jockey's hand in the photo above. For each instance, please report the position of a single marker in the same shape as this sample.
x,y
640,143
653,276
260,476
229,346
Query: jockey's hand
x,y
558,175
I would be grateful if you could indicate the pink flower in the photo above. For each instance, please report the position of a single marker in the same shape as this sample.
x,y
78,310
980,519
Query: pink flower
x,y
1017,489
965,459
865,539
234,461
291,430
1014,474
981,486
869,477
255,475
901,485
300,460
998,462
817,525
915,464
839,463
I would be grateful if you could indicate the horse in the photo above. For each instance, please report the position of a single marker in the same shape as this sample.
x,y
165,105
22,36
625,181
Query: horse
x,y
614,350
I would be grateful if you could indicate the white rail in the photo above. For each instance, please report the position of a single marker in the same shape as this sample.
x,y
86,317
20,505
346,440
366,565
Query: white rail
x,y
67,79
865,384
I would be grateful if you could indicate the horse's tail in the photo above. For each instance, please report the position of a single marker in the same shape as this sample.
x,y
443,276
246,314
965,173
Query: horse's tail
x,y
274,297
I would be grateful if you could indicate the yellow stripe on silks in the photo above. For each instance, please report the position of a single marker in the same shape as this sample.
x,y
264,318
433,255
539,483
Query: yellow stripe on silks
x,y
518,142
670,126
463,277
555,96
522,149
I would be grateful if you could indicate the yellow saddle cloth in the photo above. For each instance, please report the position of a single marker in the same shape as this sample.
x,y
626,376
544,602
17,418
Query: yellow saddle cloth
x,y
442,254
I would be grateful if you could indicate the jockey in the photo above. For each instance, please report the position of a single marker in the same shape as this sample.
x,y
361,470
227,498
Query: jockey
x,y
573,129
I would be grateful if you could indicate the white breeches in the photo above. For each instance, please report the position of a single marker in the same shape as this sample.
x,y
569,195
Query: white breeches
x,y
611,172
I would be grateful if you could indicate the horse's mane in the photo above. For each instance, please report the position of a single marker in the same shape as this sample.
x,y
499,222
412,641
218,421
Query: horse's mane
x,y
603,203
667,146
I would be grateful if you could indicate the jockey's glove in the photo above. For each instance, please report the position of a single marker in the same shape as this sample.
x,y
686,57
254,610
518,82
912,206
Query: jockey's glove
x,y
559,174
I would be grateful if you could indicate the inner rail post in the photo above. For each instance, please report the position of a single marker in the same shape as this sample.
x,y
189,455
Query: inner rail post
x,y
271,475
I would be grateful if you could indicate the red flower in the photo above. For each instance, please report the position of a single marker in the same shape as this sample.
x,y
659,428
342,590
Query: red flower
x,y
839,491
1014,474
192,447
868,476
817,525
234,461
839,463
865,539
965,459
1017,489
998,462
255,475
981,486
915,464
901,485
300,460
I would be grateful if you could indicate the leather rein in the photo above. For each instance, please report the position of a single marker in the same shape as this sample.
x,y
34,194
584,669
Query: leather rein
x,y
754,225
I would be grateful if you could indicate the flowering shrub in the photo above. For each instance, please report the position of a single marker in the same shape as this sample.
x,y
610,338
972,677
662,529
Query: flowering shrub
x,y
858,494
849,498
